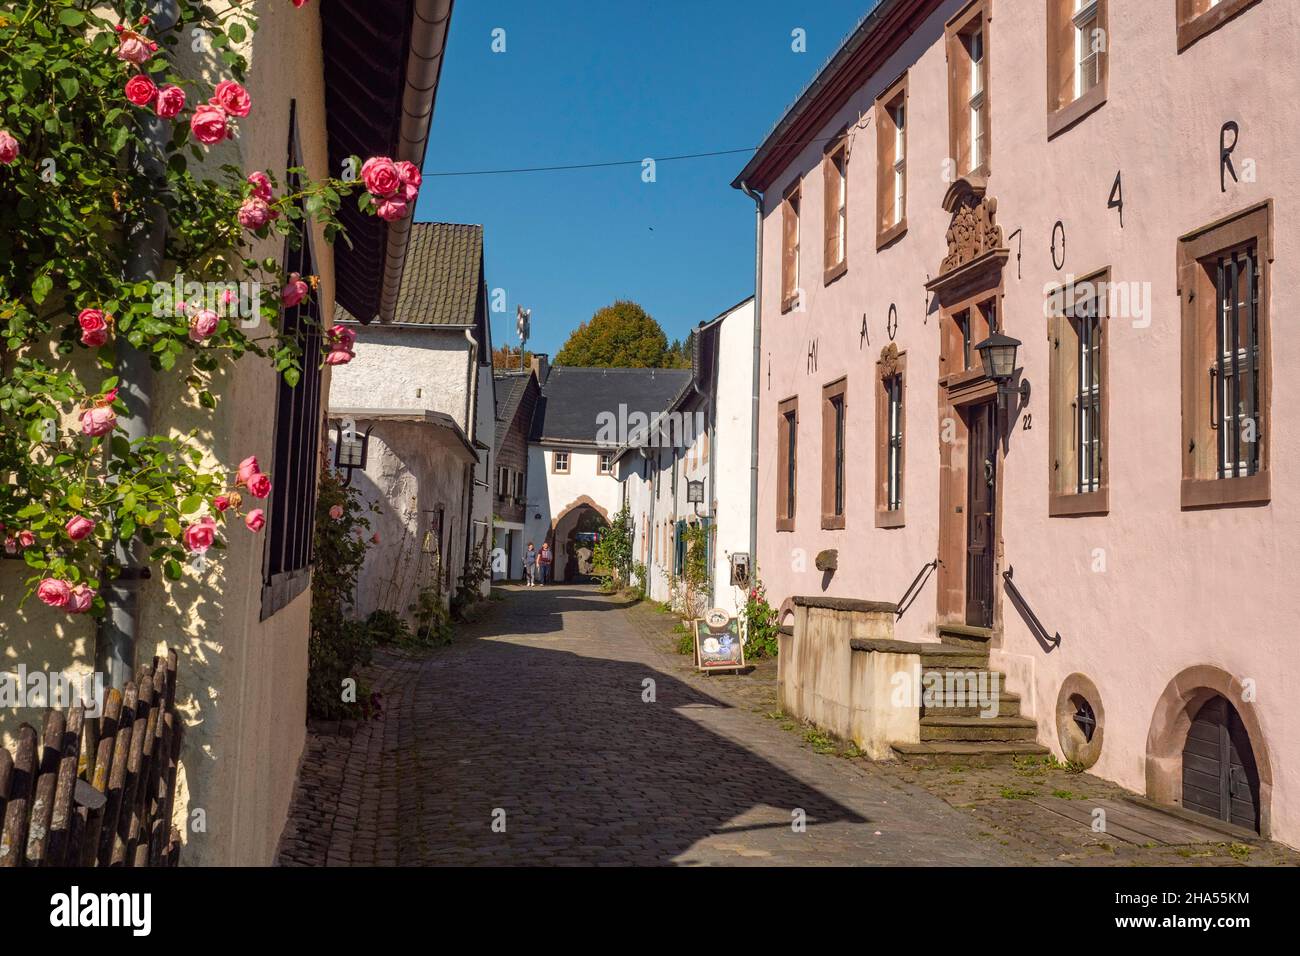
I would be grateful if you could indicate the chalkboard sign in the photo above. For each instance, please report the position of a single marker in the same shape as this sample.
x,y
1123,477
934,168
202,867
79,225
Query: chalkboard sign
x,y
718,646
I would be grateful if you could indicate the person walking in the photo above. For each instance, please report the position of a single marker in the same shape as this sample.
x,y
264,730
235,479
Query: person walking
x,y
530,566
544,559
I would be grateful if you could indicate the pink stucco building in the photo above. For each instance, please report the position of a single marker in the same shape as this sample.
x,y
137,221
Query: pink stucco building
x,y
1115,186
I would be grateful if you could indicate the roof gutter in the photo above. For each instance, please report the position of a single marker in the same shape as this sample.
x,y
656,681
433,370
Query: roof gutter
x,y
423,68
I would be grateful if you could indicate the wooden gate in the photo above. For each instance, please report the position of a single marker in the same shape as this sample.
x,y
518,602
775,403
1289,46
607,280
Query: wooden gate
x,y
1220,778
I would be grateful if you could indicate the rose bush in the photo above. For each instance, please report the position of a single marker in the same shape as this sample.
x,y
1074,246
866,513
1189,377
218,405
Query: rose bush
x,y
76,87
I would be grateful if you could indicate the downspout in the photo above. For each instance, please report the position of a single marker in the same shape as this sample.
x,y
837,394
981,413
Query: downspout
x,y
757,378
115,642
471,429
423,66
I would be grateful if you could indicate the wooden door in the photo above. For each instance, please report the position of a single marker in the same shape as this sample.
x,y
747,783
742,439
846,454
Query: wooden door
x,y
1220,778
981,523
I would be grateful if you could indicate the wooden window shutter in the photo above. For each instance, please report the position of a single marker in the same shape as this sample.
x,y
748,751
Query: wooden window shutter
x,y
959,67
831,211
789,236
884,167
1060,60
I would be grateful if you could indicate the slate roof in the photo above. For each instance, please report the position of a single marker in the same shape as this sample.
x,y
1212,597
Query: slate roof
x,y
442,277
510,389
572,398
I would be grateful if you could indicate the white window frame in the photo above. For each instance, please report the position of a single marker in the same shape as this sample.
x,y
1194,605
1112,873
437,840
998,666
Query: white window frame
x,y
899,116
1085,22
977,94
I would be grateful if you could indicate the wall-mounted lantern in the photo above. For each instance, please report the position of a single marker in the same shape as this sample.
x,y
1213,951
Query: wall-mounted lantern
x,y
350,450
695,494
998,354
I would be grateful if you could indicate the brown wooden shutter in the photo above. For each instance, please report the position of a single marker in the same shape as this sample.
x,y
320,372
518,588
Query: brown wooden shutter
x,y
884,166
830,210
959,101
789,235
1060,54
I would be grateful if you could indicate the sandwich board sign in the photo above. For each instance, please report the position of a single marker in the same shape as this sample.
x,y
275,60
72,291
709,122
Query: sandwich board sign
x,y
718,646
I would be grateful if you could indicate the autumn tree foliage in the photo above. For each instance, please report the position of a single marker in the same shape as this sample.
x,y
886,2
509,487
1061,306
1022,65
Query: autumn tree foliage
x,y
622,335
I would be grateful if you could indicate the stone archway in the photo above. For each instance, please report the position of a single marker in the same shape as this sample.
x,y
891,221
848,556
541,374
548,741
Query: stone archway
x,y
580,517
1175,710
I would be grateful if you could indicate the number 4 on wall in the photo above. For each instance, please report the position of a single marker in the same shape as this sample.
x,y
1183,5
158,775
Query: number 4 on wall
x,y
1117,198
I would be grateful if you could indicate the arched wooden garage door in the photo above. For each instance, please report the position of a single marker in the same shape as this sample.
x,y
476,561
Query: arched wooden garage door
x,y
1220,778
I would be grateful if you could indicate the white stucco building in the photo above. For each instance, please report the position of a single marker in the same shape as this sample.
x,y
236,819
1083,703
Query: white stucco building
x,y
578,425
419,398
705,435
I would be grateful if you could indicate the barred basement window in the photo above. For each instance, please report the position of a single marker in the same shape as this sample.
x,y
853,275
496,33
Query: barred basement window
x,y
287,551
1223,278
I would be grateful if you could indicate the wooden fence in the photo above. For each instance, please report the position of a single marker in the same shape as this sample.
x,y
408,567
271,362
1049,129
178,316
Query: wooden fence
x,y
97,793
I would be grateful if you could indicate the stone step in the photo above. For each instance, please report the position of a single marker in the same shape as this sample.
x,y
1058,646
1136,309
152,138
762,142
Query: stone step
x,y
949,656
965,635
1008,706
967,753
978,728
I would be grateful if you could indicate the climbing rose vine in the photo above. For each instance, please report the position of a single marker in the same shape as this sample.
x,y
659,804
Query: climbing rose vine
x,y
78,90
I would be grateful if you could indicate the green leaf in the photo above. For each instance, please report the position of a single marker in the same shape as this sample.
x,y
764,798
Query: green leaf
x,y
41,288
191,504
71,18
172,568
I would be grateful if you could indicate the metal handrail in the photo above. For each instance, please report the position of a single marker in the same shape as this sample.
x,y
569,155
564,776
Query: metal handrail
x,y
1035,625
914,589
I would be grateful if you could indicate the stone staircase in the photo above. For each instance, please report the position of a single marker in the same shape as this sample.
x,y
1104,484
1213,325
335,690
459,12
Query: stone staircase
x,y
952,728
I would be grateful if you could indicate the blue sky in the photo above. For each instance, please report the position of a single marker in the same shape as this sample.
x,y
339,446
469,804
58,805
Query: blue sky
x,y
583,82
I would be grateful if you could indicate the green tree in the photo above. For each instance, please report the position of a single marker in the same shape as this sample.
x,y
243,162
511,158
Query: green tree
x,y
622,335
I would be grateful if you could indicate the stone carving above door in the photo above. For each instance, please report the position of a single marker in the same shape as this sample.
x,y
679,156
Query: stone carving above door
x,y
974,229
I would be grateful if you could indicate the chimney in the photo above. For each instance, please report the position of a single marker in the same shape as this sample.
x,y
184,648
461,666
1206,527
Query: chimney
x,y
540,364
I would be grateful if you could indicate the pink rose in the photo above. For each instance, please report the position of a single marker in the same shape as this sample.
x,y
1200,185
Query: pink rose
x,y
94,328
255,213
98,421
255,519
409,173
380,175
232,97
339,357
78,527
171,100
294,291
26,539
203,325
80,600
54,592
8,147
134,48
209,124
374,538
140,90
299,3
342,337
336,512
390,210
259,485
221,502
11,546
261,184
247,469
198,536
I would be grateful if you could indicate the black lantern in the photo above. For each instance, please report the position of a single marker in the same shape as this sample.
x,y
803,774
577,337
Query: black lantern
x,y
350,450
695,494
998,353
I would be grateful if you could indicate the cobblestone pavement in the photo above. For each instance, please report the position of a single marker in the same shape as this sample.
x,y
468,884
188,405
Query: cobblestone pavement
x,y
536,716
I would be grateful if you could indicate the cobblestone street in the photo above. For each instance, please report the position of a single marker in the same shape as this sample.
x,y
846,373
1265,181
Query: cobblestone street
x,y
537,712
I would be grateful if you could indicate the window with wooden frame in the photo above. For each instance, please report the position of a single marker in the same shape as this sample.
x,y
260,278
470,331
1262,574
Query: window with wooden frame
x,y
967,41
1196,18
965,327
834,434
1078,45
891,403
560,462
835,191
602,463
1079,401
787,448
1223,285
891,163
790,247
287,551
